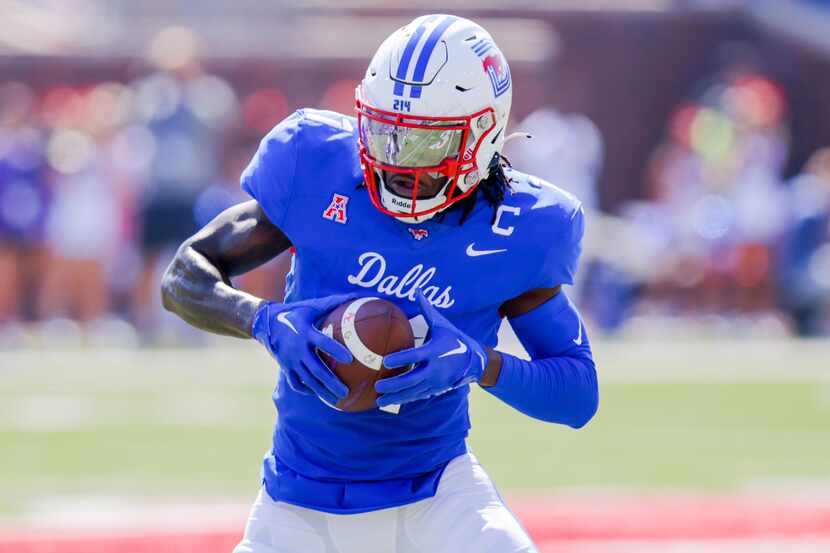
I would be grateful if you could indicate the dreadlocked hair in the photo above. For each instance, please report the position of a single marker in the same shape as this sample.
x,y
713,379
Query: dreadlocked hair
x,y
493,188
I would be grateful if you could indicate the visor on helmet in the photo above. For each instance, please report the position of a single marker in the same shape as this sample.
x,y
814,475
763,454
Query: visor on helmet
x,y
421,144
415,146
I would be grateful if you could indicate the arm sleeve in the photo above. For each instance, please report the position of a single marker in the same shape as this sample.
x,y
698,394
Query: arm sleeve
x,y
269,177
559,384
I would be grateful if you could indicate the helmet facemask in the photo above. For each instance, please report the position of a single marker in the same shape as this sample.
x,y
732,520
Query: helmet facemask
x,y
404,157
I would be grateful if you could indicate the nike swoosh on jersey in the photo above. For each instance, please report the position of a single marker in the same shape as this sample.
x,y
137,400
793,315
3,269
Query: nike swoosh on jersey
x,y
472,252
283,318
462,348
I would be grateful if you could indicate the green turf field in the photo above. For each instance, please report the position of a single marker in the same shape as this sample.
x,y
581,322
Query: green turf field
x,y
189,422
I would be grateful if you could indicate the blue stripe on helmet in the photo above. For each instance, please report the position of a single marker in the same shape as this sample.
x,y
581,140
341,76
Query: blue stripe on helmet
x,y
406,58
426,52
481,48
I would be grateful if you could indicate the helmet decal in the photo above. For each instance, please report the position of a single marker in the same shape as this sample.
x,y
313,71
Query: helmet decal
x,y
406,58
423,58
426,52
494,65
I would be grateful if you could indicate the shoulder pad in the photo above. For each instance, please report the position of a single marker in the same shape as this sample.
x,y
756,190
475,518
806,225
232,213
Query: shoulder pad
x,y
554,220
331,119
542,194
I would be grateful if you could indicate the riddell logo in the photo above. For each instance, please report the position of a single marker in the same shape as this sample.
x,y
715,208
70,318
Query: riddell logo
x,y
401,203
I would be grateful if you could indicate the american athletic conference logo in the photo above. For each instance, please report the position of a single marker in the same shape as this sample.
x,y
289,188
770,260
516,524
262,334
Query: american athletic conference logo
x,y
494,65
336,211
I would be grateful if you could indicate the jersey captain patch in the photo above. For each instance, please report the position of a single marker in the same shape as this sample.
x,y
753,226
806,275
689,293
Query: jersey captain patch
x,y
336,211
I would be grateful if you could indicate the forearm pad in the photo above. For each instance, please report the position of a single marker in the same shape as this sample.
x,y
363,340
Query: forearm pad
x,y
560,383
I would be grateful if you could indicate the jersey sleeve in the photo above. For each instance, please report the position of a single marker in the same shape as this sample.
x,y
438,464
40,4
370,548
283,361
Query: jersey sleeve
x,y
269,177
563,250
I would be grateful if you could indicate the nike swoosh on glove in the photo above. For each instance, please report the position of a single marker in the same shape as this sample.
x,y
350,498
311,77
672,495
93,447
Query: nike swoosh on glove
x,y
288,332
448,360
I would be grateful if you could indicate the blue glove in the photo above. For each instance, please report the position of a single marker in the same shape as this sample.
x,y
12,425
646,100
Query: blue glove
x,y
449,359
288,332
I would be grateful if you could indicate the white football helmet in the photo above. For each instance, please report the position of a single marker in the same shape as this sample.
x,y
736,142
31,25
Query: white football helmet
x,y
435,100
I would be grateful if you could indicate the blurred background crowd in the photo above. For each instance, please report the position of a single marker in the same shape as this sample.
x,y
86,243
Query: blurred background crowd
x,y
707,177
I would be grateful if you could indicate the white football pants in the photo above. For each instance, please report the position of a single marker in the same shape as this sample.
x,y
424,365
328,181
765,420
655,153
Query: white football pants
x,y
465,515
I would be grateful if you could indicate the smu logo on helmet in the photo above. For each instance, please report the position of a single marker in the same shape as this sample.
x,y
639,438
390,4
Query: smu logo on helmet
x,y
498,72
494,65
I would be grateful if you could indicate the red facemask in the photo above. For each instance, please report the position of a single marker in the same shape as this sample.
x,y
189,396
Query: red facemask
x,y
413,146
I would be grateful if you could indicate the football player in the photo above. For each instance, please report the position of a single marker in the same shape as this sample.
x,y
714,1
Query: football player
x,y
410,201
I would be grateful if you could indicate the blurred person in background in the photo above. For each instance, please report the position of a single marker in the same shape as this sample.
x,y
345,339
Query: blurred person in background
x,y
566,150
84,220
223,192
716,197
99,183
184,109
24,201
804,259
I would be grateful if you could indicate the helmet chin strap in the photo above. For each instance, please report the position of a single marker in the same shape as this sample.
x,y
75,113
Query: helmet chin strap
x,y
400,204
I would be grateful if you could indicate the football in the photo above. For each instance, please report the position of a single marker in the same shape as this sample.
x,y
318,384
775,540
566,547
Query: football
x,y
371,328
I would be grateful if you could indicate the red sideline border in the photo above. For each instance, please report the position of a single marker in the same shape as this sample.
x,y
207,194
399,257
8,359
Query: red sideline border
x,y
563,519
689,517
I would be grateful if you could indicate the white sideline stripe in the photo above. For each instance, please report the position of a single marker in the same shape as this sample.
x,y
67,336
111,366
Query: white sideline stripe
x,y
350,337
95,369
807,544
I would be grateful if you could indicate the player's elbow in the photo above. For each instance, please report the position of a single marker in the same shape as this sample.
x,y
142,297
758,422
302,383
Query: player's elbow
x,y
167,292
170,283
589,401
586,413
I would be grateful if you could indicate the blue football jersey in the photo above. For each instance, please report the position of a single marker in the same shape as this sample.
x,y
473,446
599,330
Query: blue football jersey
x,y
307,178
